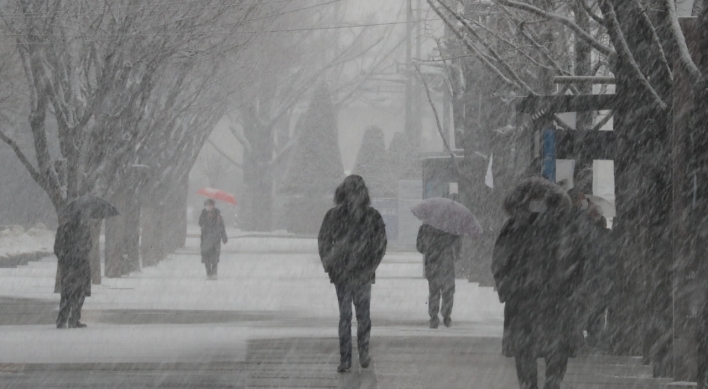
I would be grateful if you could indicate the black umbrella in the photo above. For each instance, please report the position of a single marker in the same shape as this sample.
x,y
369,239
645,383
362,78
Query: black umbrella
x,y
88,207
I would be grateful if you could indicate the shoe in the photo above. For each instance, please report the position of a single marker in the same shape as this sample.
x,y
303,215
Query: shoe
x,y
344,367
77,325
61,325
434,323
364,360
447,321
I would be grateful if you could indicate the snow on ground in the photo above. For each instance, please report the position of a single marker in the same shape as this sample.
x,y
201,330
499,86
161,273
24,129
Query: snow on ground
x,y
291,289
15,240
272,282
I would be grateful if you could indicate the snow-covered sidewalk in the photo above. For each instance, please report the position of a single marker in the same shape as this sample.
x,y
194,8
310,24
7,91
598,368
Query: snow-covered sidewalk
x,y
290,287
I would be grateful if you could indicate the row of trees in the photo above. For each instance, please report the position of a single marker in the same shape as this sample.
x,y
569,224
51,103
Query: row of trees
x,y
115,99
516,48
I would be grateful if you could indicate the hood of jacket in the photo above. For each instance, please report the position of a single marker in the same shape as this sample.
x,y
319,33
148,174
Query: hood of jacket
x,y
553,196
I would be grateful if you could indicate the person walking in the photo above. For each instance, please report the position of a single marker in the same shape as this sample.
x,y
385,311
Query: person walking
x,y
537,275
213,234
439,251
352,243
72,245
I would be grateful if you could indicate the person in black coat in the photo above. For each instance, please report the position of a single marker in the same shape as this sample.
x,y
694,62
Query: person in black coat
x,y
213,234
72,245
599,270
352,243
440,250
537,273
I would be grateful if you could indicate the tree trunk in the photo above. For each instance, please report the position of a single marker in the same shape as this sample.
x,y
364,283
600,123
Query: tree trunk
x,y
115,240
131,235
152,235
95,254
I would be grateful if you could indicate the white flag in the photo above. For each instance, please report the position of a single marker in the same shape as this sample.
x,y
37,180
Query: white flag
x,y
489,178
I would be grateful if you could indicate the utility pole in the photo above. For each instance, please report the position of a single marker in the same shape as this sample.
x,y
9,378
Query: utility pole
x,y
417,92
409,69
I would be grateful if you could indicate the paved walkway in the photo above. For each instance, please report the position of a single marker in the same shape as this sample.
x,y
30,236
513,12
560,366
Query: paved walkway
x,y
168,328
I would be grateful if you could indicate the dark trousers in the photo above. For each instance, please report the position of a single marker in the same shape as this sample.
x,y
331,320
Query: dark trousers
x,y
211,268
527,371
438,287
70,308
360,296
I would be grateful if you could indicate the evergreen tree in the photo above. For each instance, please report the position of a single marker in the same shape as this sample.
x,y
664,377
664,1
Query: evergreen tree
x,y
373,164
316,165
404,157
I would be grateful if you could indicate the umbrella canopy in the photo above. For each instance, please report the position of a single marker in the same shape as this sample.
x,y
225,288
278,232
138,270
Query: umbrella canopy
x,y
447,215
607,208
217,194
88,207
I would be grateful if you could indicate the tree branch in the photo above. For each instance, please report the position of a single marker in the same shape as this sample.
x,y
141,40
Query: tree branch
x,y
242,139
223,154
489,48
680,41
582,34
625,53
588,10
481,57
453,157
655,38
22,157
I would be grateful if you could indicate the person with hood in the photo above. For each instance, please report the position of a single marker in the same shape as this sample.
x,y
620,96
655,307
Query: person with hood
x,y
213,234
72,245
352,243
439,251
537,275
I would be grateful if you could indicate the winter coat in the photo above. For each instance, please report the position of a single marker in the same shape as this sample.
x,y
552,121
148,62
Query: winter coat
x,y
213,233
598,282
72,245
438,249
537,272
351,247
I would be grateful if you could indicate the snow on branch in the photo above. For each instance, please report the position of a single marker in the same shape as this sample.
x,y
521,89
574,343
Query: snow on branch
x,y
475,51
489,48
625,53
655,38
592,14
580,33
459,170
680,41
22,157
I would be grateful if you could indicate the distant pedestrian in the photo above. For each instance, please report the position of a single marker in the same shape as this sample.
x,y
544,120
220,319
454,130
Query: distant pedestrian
x,y
213,234
537,277
439,251
352,242
72,245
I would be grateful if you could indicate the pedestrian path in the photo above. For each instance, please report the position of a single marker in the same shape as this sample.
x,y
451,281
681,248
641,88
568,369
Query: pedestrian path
x,y
270,321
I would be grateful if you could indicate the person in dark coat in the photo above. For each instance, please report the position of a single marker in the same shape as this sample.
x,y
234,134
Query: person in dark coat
x,y
213,234
537,276
72,245
352,243
439,249
599,270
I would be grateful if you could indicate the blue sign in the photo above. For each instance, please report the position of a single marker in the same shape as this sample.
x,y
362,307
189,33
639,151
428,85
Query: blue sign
x,y
549,154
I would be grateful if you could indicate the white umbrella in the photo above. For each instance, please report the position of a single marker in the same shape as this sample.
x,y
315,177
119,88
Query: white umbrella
x,y
606,207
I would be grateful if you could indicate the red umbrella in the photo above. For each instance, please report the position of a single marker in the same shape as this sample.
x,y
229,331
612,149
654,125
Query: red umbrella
x,y
217,194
